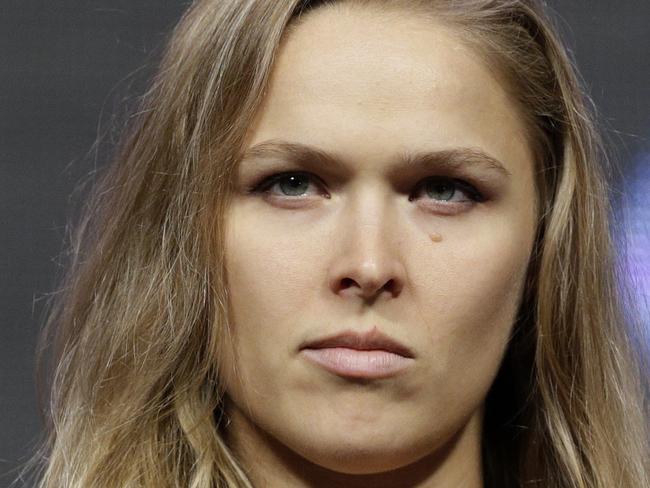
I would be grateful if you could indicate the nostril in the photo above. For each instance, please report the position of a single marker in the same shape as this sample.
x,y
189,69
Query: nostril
x,y
390,286
346,283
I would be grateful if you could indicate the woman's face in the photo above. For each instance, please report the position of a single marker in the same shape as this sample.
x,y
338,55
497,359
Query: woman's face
x,y
362,240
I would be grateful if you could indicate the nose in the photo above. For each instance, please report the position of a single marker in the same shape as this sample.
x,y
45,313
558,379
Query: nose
x,y
367,261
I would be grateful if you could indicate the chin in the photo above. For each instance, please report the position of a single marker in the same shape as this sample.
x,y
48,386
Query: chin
x,y
369,456
364,463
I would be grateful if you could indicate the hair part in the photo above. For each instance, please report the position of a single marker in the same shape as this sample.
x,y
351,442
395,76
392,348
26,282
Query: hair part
x,y
139,325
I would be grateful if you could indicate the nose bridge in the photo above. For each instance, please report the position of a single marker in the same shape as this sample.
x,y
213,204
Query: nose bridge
x,y
368,255
368,218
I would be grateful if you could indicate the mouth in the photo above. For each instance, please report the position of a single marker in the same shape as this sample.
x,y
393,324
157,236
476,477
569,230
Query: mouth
x,y
371,355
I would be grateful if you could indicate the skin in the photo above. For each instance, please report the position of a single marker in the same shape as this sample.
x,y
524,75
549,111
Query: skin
x,y
362,247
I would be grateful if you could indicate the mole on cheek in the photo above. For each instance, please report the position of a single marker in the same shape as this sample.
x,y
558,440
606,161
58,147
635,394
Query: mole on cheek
x,y
435,237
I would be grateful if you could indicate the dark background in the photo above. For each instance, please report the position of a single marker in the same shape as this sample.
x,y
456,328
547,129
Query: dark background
x,y
70,71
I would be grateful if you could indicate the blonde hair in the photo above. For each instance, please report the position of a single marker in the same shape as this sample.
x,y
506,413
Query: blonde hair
x,y
137,330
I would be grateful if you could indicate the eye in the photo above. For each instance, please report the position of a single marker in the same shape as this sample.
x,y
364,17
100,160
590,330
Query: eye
x,y
445,189
289,184
438,189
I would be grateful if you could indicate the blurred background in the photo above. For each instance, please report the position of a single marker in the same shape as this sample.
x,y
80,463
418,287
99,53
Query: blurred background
x,y
70,73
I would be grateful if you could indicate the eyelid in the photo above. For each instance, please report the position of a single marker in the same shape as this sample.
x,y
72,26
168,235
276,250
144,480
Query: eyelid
x,y
472,192
266,182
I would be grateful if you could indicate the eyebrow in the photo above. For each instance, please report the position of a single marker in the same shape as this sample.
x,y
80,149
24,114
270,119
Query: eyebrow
x,y
453,159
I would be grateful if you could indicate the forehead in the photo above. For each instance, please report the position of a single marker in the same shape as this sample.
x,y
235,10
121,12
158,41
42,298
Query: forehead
x,y
379,59
343,76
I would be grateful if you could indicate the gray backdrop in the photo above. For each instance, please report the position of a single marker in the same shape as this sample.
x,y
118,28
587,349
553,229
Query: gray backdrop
x,y
72,69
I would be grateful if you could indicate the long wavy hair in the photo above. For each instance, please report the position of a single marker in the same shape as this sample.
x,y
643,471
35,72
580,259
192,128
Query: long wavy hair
x,y
131,345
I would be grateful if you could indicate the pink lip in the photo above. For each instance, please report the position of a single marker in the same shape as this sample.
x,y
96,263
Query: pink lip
x,y
369,355
353,363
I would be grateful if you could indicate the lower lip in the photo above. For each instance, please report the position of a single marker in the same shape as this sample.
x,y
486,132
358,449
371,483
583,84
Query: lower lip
x,y
352,363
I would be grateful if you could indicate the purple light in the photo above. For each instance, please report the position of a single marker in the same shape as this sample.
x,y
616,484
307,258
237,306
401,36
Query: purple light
x,y
637,214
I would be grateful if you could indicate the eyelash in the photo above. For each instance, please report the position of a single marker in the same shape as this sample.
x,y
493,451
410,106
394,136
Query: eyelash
x,y
473,194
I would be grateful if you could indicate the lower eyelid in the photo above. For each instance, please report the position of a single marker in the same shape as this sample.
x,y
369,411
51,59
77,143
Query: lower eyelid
x,y
450,207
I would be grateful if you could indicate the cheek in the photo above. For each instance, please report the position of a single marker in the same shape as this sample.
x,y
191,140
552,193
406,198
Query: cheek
x,y
489,271
470,294
271,282
270,267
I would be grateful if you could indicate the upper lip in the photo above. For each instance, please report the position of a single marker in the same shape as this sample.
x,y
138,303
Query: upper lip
x,y
366,341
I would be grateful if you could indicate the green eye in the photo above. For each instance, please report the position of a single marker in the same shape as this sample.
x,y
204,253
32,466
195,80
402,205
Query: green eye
x,y
436,188
440,189
293,185
289,184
